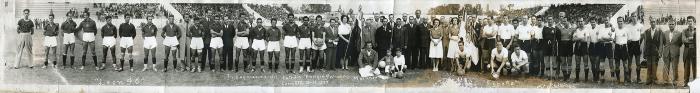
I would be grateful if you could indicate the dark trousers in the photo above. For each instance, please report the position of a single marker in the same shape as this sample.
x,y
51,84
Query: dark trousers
x,y
689,63
413,57
227,57
332,58
206,54
317,59
423,61
652,61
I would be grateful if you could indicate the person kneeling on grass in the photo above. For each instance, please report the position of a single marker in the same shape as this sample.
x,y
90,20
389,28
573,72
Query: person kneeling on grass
x,y
519,60
399,64
499,58
366,60
385,65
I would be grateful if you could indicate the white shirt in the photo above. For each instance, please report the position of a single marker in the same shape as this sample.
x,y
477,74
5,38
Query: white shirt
x,y
399,60
489,29
538,31
503,53
635,32
524,32
344,29
519,56
605,33
506,31
471,52
621,36
580,34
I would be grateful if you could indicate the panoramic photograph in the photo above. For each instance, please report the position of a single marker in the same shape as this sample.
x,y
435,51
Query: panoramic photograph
x,y
362,46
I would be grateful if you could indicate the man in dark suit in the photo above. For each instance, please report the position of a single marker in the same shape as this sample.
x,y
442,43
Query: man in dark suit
x,y
652,39
412,45
672,44
383,37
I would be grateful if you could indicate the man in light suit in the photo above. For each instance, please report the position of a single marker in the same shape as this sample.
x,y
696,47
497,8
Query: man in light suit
x,y
672,44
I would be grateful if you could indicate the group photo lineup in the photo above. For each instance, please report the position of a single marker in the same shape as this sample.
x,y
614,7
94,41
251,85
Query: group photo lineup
x,y
101,46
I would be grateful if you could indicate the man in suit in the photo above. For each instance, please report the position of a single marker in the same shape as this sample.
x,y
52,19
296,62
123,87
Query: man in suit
x,y
672,44
652,40
383,37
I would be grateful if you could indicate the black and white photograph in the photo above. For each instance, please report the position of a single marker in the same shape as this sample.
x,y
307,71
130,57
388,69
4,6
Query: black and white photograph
x,y
348,46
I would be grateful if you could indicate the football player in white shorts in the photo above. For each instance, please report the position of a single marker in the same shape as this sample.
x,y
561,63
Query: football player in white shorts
x,y
127,32
196,44
68,28
150,43
304,45
290,41
217,43
88,29
171,32
109,39
273,45
257,33
50,41
241,42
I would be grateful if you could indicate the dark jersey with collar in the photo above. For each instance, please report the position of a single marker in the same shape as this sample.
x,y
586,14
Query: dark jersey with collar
x,y
305,30
109,30
25,26
171,30
242,27
258,32
274,34
51,29
68,26
149,30
87,25
127,30
290,29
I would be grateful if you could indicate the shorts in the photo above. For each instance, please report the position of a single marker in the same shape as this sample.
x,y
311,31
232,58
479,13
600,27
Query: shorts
x,y
88,37
490,44
171,41
241,43
68,38
621,52
322,45
607,50
258,44
150,42
273,46
216,43
304,43
435,49
634,48
290,41
452,49
126,42
196,43
548,48
50,41
109,41
565,48
581,48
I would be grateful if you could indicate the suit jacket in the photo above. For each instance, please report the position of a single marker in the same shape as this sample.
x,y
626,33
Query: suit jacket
x,y
652,43
383,37
672,45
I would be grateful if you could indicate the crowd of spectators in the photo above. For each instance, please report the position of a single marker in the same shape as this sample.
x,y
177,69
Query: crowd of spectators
x,y
201,9
138,10
584,10
269,11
